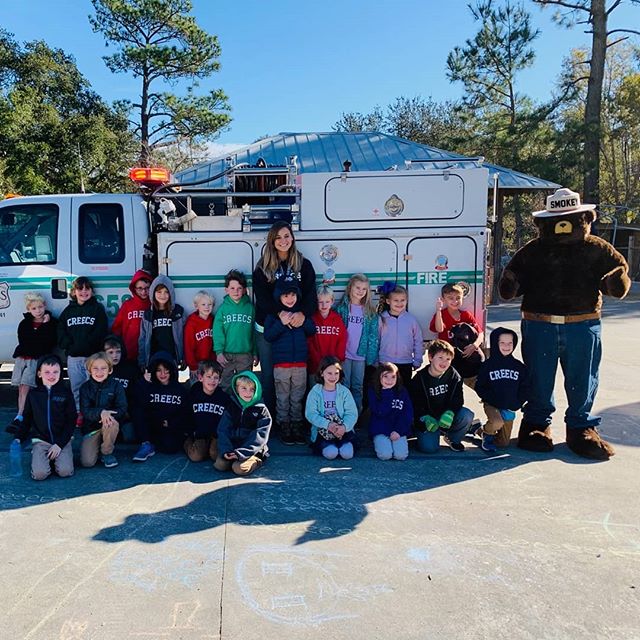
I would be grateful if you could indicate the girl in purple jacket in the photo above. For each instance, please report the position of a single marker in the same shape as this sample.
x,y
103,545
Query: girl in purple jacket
x,y
391,413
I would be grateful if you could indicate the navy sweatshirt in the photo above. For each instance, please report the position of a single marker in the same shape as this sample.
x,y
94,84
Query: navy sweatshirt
x,y
392,411
502,381
82,328
433,396
34,342
206,410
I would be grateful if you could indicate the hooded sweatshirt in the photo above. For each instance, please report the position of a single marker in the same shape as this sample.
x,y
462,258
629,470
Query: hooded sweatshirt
x,y
82,328
245,426
288,344
49,412
400,339
502,380
233,326
160,331
36,341
433,396
125,372
160,415
198,340
127,322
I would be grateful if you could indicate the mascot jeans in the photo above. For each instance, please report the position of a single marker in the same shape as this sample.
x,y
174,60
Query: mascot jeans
x,y
578,347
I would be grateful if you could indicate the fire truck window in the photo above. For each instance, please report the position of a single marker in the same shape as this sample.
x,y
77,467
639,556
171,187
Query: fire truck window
x,y
101,231
28,234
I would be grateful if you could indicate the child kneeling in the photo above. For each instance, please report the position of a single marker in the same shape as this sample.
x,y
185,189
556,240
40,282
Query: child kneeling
x,y
436,394
50,415
391,413
243,432
332,412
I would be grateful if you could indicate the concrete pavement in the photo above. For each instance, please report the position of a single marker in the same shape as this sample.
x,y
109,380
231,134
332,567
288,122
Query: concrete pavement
x,y
446,546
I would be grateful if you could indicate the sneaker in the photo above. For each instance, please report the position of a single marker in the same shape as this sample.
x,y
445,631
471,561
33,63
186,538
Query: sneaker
x,y
14,426
286,434
488,443
455,446
145,451
109,460
298,433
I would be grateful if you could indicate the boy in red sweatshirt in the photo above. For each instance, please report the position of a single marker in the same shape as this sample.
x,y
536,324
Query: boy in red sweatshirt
x,y
330,338
198,334
127,322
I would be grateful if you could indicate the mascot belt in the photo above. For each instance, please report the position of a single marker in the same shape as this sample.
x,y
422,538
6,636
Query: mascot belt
x,y
579,317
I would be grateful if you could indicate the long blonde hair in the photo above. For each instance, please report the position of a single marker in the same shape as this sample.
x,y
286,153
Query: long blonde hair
x,y
270,262
367,302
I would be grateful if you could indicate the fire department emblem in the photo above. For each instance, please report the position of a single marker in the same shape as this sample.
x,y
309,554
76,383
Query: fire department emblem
x,y
328,255
394,206
5,301
442,263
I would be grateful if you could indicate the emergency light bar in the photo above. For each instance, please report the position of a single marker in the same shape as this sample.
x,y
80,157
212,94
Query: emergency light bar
x,y
150,176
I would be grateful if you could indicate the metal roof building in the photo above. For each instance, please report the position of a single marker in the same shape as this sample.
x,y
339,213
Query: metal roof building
x,y
366,151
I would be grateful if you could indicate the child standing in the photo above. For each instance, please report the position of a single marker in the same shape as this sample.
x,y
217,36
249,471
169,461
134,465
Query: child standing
x,y
502,387
103,405
81,329
330,337
233,336
198,333
436,394
332,412
391,413
207,402
128,319
359,316
448,313
289,356
160,417
162,326
401,339
37,336
243,432
50,415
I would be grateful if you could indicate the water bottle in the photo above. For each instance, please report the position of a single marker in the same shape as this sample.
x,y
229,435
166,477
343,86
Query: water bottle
x,y
15,459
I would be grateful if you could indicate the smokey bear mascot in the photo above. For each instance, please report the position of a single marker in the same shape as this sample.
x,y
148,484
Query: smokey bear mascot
x,y
561,276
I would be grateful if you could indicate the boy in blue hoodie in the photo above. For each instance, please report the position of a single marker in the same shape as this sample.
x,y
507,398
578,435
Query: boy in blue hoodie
x,y
244,429
502,387
160,416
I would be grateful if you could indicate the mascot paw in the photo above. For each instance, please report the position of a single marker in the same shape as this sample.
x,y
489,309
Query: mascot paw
x,y
588,444
534,437
508,285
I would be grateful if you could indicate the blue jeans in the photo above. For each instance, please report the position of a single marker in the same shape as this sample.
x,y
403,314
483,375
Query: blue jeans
x,y
354,379
429,441
266,371
578,347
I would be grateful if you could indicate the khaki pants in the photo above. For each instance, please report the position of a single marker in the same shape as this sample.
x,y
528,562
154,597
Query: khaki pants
x,y
237,362
239,467
199,449
101,441
41,465
498,426
290,383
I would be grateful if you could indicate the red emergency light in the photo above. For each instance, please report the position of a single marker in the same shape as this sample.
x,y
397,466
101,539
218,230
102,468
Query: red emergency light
x,y
150,176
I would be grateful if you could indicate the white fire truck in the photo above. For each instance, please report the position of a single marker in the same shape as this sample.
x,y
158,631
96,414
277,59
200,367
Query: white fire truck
x,y
420,228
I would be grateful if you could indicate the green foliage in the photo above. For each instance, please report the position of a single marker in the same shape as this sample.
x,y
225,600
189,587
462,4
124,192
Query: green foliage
x,y
160,43
56,134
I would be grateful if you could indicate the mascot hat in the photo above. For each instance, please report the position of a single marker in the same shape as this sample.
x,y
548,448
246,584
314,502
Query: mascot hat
x,y
563,202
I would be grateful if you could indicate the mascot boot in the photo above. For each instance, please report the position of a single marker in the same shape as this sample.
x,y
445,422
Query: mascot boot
x,y
534,437
588,444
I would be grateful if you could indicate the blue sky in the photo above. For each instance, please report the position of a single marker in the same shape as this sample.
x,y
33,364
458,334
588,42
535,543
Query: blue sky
x,y
298,65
